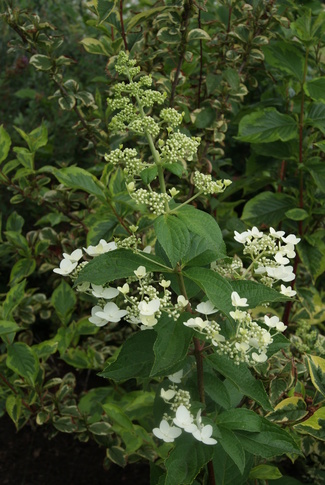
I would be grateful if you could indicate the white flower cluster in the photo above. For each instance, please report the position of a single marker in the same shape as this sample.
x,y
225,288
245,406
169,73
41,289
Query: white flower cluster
x,y
183,419
270,254
69,264
147,303
205,184
251,340
155,201
179,147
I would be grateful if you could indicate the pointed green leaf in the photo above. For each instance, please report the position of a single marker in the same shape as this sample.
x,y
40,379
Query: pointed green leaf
x,y
8,327
21,269
313,258
173,236
257,293
78,178
217,288
290,409
95,46
135,358
232,446
104,9
315,88
117,264
118,416
265,472
286,57
314,426
316,116
267,206
64,300
316,367
267,126
241,377
13,298
226,473
186,460
205,226
5,142
14,408
67,103
172,343
198,34
22,360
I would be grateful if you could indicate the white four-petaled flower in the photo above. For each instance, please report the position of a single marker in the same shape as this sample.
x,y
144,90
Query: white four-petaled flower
x,y
101,248
111,313
237,301
166,432
206,307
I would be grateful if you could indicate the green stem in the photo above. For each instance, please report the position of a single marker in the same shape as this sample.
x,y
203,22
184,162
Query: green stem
x,y
187,201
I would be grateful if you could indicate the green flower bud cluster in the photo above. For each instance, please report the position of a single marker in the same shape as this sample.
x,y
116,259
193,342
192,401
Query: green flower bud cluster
x,y
155,201
171,117
133,166
124,65
205,183
144,125
179,147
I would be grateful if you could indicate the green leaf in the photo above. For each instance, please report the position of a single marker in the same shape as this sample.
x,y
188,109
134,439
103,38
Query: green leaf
x,y
267,207
232,446
290,409
172,343
198,34
21,269
117,264
316,116
38,138
145,15
186,460
314,426
169,35
68,102
95,46
265,472
317,171
64,300
217,288
104,9
86,98
22,360
286,57
14,297
149,174
316,89
118,416
316,366
100,429
5,142
267,126
296,214
65,424
226,472
241,377
78,178
205,226
173,236
25,157
313,258
205,117
216,389
77,358
41,62
15,222
14,408
101,226
240,419
135,358
270,441
116,455
8,327
257,293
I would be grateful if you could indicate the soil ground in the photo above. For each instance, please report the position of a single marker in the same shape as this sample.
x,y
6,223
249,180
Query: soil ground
x,y
29,458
